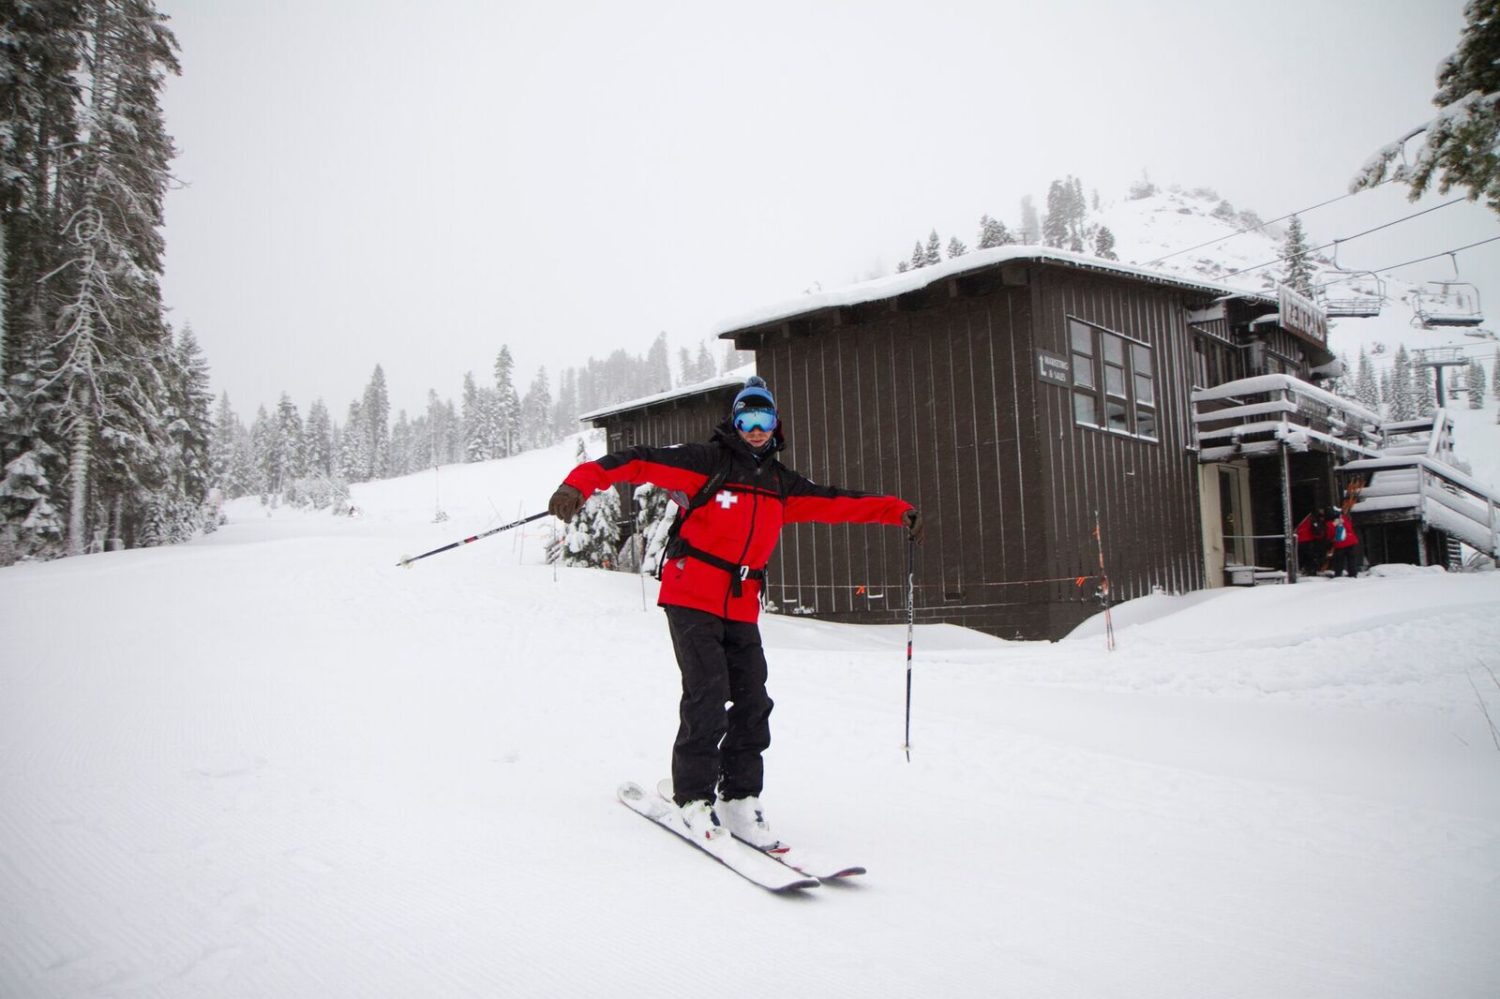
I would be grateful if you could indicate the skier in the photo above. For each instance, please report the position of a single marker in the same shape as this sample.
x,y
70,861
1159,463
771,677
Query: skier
x,y
1344,544
734,496
1312,542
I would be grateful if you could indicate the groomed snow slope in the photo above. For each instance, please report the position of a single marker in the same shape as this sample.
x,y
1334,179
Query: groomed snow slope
x,y
270,763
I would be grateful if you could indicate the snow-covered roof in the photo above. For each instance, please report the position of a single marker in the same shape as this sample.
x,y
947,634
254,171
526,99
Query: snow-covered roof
x,y
913,280
726,380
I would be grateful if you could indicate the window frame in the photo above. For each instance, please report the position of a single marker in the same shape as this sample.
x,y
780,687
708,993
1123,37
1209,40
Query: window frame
x,y
1113,382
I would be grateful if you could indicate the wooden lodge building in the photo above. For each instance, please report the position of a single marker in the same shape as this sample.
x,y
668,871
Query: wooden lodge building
x,y
1022,398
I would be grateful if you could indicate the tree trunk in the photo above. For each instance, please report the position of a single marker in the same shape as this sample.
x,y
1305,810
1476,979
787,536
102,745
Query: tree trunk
x,y
78,472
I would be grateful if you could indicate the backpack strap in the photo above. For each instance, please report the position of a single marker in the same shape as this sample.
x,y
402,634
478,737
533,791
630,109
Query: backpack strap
x,y
674,545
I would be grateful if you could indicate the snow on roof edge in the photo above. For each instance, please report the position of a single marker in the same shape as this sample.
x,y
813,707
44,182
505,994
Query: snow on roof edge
x,y
728,378
899,284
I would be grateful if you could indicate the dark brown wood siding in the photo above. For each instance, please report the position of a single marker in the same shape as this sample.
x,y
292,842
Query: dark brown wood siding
x,y
675,421
936,398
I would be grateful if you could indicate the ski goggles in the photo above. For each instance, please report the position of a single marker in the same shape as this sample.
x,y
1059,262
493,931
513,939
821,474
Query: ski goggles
x,y
747,420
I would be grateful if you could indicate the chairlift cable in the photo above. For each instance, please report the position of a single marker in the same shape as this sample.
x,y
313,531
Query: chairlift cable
x,y
1257,228
1421,260
1346,239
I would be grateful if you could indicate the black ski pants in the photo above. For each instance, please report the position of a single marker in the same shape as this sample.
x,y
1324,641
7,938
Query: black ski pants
x,y
721,662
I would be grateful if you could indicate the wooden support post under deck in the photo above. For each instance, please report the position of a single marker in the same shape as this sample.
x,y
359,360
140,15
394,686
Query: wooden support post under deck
x,y
1289,537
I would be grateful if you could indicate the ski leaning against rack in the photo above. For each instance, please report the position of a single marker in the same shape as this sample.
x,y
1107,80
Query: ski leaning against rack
x,y
741,858
799,860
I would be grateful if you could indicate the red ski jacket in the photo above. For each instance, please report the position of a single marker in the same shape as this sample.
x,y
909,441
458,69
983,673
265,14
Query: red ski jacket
x,y
729,539
1306,533
1348,539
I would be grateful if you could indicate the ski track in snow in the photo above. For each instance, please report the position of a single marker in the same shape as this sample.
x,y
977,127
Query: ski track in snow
x,y
270,763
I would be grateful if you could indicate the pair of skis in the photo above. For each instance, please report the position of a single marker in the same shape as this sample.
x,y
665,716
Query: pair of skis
x,y
778,869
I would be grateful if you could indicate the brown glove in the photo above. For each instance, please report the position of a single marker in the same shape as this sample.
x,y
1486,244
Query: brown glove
x,y
565,503
914,525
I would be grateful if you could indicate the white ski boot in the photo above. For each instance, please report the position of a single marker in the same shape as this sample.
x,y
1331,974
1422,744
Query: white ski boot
x,y
746,820
701,821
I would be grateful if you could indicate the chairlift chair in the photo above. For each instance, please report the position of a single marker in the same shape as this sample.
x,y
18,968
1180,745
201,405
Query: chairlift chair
x,y
1350,296
1448,303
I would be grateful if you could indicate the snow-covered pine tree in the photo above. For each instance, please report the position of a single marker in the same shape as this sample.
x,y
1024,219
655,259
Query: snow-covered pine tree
x,y
706,367
565,411
1077,214
1495,375
734,358
401,445
992,232
39,107
658,369
933,254
377,416
1424,386
318,438
652,506
1463,136
1403,400
475,445
289,452
1031,227
1104,244
109,343
1297,273
902,266
1475,384
536,408
918,257
956,248
354,446
507,414
1055,224
1366,389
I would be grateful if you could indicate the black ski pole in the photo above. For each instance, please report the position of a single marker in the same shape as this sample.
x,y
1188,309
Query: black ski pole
x,y
405,563
911,619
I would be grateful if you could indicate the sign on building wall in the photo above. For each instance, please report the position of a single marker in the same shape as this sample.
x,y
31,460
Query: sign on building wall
x,y
1052,368
1300,314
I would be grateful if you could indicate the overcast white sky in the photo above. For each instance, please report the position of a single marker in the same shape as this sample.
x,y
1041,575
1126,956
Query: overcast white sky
x,y
377,181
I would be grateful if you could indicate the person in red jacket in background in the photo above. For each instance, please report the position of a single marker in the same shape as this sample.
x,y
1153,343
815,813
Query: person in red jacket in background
x,y
1312,542
1344,542
734,496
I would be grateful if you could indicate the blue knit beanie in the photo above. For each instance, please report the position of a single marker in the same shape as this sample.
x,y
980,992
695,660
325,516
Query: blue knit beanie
x,y
754,395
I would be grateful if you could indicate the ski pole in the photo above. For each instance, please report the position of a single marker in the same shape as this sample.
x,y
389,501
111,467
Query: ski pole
x,y
911,618
405,563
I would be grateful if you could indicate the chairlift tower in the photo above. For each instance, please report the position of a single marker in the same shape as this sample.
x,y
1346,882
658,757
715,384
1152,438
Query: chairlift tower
x,y
1439,358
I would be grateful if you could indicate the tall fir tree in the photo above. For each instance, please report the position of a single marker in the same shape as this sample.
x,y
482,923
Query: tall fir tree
x,y
1055,225
1298,273
1474,383
536,408
1104,244
658,367
1031,226
992,233
1403,399
508,406
956,248
376,410
318,440
1366,389
932,254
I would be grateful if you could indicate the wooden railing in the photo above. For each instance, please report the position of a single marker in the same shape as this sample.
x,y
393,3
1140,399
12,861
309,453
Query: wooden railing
x,y
1261,414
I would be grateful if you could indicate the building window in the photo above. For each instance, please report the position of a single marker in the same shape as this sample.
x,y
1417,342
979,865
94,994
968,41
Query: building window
x,y
1114,381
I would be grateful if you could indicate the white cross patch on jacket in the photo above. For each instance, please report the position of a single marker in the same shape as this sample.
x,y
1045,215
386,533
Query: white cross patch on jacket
x,y
726,499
